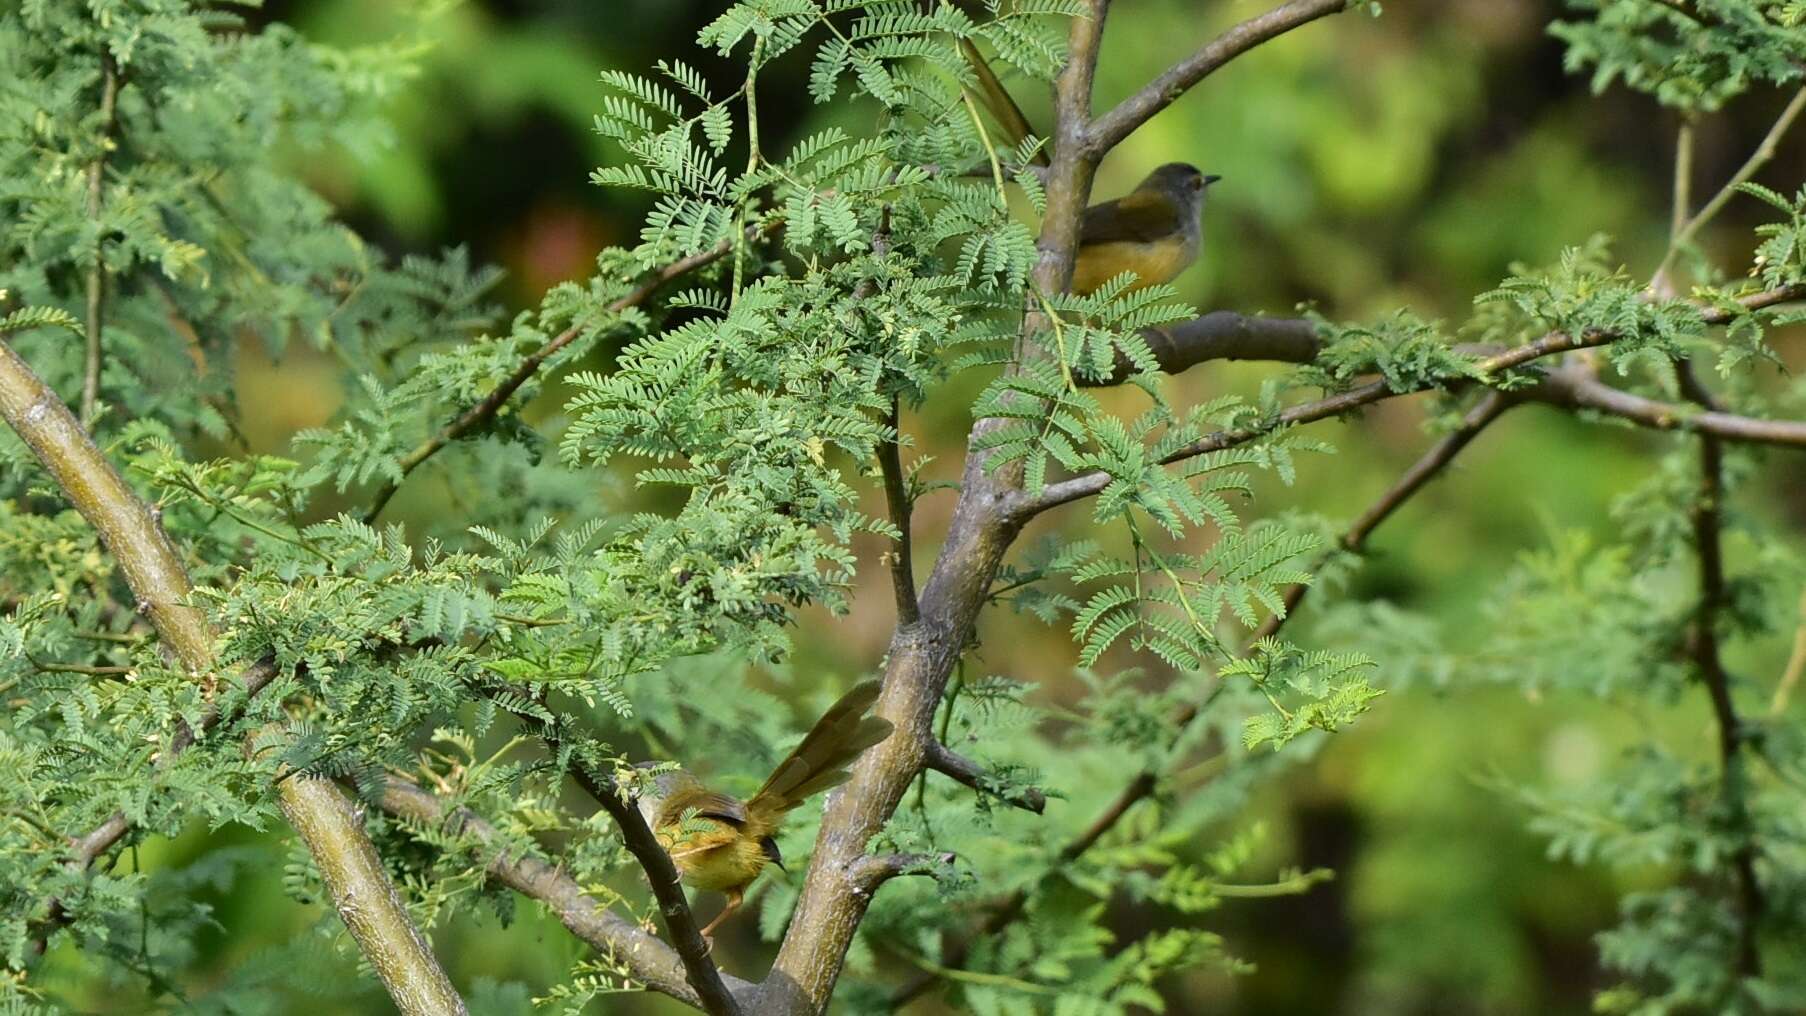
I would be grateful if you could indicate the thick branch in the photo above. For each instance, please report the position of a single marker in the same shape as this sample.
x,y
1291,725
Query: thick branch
x,y
481,414
365,898
652,962
922,655
1224,335
692,950
97,271
1111,128
961,769
157,578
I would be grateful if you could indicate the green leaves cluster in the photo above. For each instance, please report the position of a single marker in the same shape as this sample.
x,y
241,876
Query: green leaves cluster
x,y
1690,54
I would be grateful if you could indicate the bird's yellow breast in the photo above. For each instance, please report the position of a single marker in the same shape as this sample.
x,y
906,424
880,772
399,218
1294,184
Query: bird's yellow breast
x,y
719,859
1153,263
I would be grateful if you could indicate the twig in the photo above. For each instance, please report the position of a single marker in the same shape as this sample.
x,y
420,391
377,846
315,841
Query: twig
x,y
1577,388
156,576
873,870
97,272
1110,129
1796,666
654,963
485,410
680,924
1222,335
1759,158
961,769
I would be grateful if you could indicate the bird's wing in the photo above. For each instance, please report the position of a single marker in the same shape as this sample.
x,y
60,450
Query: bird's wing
x,y
1143,216
704,804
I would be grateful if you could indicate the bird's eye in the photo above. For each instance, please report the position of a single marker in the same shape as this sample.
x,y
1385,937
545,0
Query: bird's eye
x,y
1197,183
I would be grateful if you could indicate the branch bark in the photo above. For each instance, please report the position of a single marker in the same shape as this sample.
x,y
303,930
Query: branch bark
x,y
1111,128
960,769
155,573
1708,528
654,963
1223,335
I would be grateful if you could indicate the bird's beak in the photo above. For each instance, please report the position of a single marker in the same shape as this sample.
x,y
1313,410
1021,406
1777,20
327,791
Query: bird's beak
x,y
1210,179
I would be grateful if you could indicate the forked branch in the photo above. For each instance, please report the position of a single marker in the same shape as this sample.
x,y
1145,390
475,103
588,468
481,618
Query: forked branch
x,y
1110,129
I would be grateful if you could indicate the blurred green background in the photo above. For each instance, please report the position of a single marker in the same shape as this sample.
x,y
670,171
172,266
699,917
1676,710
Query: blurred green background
x,y
1369,164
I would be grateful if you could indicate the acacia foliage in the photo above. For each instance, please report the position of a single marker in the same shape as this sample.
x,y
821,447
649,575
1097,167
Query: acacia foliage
x,y
863,270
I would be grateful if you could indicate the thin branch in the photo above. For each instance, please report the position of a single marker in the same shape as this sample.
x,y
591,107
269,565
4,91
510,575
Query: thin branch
x,y
484,411
651,961
961,769
873,870
97,271
154,571
1142,786
680,924
1576,388
896,497
1796,667
1759,158
1708,528
1111,128
1024,507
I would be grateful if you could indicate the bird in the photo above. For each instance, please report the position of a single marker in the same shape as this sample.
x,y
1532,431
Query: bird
x,y
1154,231
720,843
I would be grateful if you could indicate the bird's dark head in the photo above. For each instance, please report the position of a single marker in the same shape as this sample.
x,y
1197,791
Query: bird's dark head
x,y
1180,179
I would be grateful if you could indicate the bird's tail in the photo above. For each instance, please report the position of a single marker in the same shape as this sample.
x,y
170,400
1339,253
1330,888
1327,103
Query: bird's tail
x,y
822,760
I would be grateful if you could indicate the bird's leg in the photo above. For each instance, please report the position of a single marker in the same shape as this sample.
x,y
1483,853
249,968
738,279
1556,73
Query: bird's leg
x,y
733,903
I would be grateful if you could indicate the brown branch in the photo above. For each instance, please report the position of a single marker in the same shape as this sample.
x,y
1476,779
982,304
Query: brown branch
x,y
1577,388
1708,526
155,573
1223,335
97,272
961,769
680,924
650,960
1111,128
873,870
1024,507
484,411
896,497
1142,786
